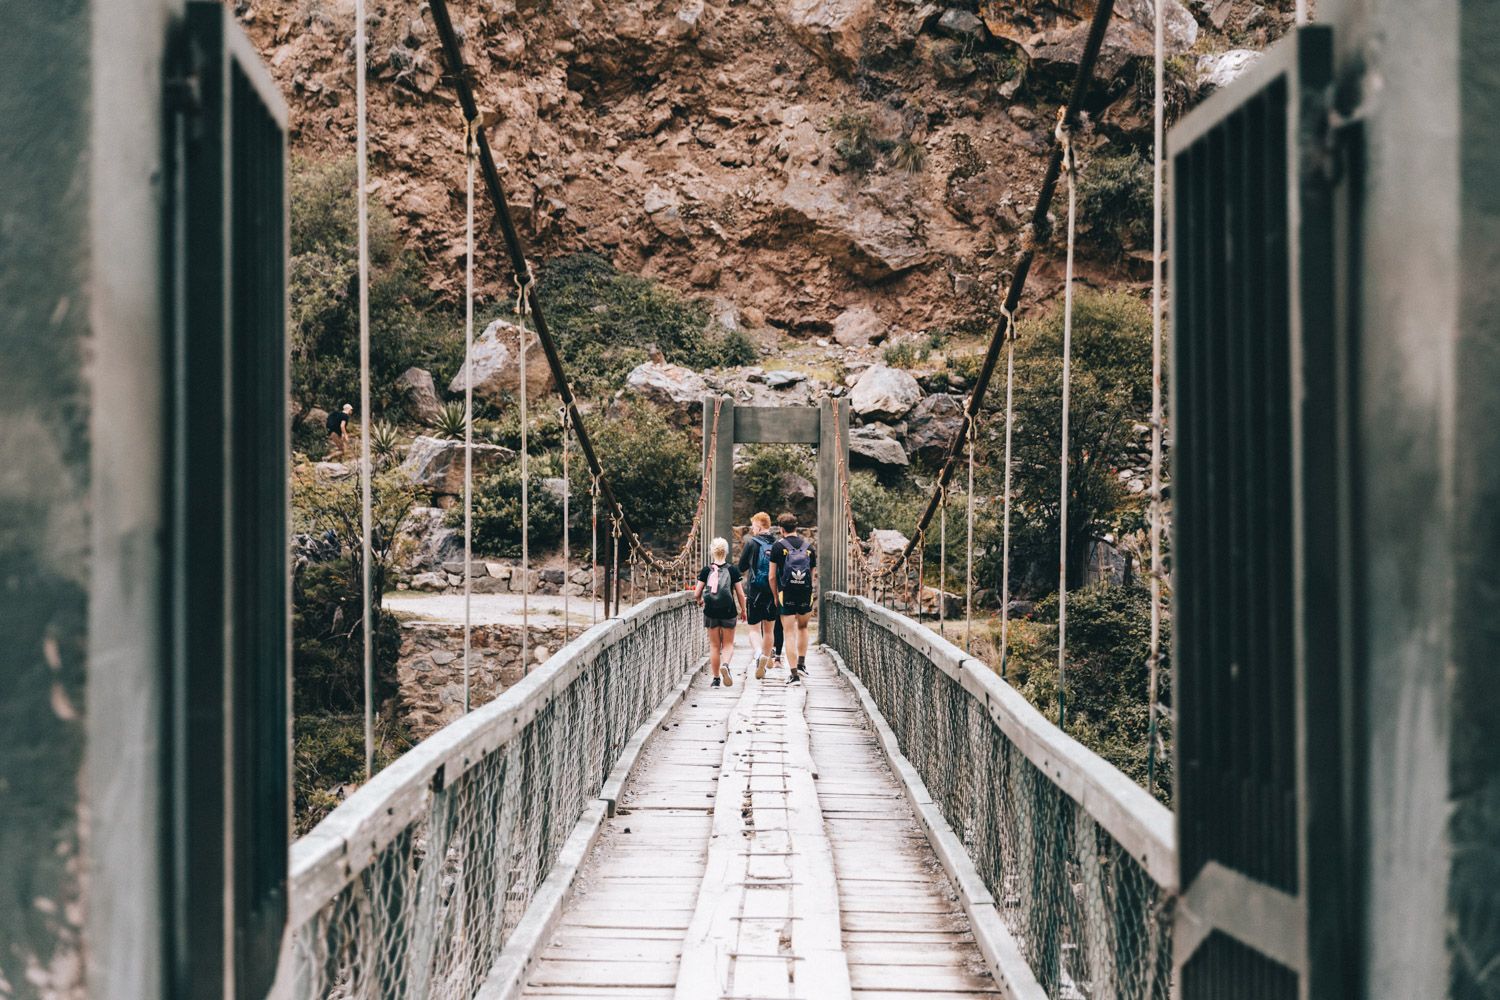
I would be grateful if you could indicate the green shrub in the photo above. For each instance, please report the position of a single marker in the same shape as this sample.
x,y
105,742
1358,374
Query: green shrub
x,y
909,156
407,327
497,512
328,755
1109,644
1115,197
764,475
906,354
384,441
964,365
604,320
655,471
542,436
854,138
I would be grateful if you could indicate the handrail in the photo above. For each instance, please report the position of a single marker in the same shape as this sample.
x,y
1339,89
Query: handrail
x,y
491,796
1081,861
1141,824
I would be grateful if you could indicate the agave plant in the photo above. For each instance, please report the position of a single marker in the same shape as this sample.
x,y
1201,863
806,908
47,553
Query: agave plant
x,y
383,441
451,422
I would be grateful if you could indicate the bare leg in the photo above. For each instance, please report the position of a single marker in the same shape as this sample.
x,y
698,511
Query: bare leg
x,y
713,651
726,642
802,633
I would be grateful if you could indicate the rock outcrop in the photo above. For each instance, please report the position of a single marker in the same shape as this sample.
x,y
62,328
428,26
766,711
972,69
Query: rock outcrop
x,y
833,30
933,424
876,443
419,395
496,374
677,390
884,393
438,465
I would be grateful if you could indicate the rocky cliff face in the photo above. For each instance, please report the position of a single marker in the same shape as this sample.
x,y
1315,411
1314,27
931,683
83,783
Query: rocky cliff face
x,y
796,159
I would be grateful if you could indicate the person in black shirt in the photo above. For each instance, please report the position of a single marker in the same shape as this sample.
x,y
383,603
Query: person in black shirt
x,y
755,567
718,591
792,563
338,431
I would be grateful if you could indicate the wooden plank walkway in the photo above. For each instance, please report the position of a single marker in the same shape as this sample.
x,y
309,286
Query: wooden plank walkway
x,y
763,851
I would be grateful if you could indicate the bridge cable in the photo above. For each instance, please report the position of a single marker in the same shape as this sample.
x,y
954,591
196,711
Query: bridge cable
x,y
469,126
567,492
1070,167
1038,232
969,549
523,308
594,549
943,563
1010,414
1156,406
365,547
453,53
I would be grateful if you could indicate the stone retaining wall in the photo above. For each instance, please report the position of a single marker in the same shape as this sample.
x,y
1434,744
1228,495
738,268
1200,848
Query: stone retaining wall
x,y
430,668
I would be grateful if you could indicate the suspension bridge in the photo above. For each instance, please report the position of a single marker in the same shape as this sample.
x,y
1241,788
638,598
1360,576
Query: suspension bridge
x,y
904,823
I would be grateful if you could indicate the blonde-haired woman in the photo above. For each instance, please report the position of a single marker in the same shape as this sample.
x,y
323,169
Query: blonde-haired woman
x,y
718,593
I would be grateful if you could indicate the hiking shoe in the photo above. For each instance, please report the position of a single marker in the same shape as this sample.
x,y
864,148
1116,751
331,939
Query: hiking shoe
x,y
715,683
760,667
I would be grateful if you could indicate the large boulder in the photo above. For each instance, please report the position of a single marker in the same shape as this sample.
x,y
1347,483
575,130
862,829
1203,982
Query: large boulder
x,y
801,497
884,393
886,544
495,370
419,395
874,233
876,444
1131,33
932,425
438,465
428,541
858,327
833,30
676,390
1220,69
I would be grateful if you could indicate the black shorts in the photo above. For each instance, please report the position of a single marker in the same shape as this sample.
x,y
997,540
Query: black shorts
x,y
794,602
709,621
761,607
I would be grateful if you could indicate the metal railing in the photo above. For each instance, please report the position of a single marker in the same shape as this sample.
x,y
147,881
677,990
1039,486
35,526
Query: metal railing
x,y
413,886
1080,860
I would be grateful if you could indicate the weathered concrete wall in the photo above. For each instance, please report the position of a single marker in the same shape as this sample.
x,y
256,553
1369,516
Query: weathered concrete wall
x,y
430,670
44,485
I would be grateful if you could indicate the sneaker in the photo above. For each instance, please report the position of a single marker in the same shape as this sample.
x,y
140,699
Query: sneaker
x,y
796,678
760,667
715,683
728,677
802,667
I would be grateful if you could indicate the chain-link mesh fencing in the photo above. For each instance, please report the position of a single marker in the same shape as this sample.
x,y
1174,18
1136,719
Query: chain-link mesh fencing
x,y
412,887
1090,919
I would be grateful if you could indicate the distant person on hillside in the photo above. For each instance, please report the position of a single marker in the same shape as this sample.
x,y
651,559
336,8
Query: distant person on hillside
x,y
762,614
792,564
718,592
338,431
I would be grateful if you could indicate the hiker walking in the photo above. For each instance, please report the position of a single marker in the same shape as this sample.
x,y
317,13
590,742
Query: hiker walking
x,y
338,431
792,564
761,611
718,592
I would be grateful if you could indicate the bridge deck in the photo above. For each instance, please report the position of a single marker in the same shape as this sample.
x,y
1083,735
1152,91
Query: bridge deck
x,y
763,850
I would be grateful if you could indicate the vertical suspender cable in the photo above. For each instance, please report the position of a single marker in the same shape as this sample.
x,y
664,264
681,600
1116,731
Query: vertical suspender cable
x,y
469,126
567,492
524,308
1156,413
943,562
594,549
1301,12
1010,386
969,549
1070,169
366,549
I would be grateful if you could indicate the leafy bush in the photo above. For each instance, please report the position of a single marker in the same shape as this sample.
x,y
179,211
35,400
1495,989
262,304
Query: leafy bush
x,y
544,434
655,471
328,755
964,365
876,505
497,512
406,326
906,354
1109,644
764,475
604,320
1115,196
